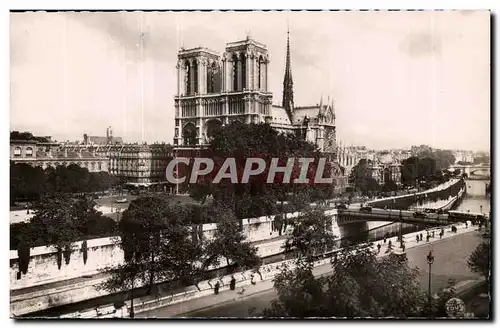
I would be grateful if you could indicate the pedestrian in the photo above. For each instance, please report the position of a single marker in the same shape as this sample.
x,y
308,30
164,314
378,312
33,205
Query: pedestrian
x,y
421,237
232,283
216,288
441,235
466,225
385,240
417,238
403,247
427,238
433,234
379,247
390,243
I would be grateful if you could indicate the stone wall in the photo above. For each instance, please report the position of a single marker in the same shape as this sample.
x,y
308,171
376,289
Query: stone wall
x,y
105,252
443,192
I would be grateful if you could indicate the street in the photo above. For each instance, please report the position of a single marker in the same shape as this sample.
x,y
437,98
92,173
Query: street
x,y
450,262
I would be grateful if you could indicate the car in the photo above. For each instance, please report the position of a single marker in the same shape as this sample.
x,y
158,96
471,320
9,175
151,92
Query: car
x,y
419,214
365,209
121,201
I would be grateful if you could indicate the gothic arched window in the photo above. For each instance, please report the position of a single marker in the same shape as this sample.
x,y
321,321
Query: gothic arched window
x,y
189,134
187,80
259,72
243,72
234,73
211,78
195,77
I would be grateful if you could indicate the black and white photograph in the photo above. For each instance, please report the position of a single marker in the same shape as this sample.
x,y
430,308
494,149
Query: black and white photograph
x,y
250,164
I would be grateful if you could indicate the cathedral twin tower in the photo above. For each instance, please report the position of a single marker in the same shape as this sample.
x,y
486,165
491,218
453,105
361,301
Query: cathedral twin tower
x,y
213,91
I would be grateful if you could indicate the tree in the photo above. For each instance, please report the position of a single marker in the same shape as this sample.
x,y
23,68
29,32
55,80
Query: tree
x,y
362,179
300,293
47,228
141,239
26,182
156,236
409,171
389,185
229,242
183,246
482,158
123,277
311,235
55,221
26,136
479,260
243,141
426,168
443,158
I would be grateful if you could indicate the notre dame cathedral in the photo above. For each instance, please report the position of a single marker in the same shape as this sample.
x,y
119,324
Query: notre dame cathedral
x,y
213,91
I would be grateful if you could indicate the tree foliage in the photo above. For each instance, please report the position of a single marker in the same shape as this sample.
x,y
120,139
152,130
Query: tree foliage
x,y
416,169
362,178
311,235
482,158
30,183
479,260
361,285
229,243
161,243
443,158
60,220
243,141
26,136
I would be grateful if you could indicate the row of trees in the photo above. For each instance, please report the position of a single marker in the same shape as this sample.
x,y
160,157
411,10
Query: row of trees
x,y
416,170
161,244
26,136
30,183
443,159
60,221
361,284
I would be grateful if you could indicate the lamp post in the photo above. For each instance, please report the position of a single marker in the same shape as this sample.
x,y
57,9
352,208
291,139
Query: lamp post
x,y
430,261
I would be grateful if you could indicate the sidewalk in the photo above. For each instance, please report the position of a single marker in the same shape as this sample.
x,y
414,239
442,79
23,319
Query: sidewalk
x,y
225,295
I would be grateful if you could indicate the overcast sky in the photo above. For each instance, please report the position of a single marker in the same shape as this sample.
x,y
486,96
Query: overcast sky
x,y
398,78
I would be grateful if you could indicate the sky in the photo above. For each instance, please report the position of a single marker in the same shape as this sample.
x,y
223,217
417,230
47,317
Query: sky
x,y
396,78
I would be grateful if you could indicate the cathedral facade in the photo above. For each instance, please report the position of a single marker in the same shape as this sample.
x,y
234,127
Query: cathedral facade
x,y
214,90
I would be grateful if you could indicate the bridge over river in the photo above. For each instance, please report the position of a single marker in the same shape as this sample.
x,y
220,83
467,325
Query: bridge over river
x,y
474,172
411,217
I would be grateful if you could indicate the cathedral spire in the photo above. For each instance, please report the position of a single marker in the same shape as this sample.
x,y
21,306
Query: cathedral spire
x,y
288,82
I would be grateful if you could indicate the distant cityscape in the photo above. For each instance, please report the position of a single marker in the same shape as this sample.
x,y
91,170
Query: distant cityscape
x,y
144,164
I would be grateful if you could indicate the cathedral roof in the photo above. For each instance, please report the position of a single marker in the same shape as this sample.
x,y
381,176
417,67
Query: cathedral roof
x,y
279,115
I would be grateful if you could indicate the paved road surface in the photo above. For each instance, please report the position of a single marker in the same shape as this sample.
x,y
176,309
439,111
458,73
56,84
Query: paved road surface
x,y
450,262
